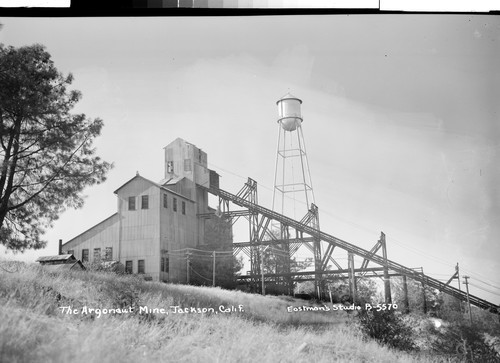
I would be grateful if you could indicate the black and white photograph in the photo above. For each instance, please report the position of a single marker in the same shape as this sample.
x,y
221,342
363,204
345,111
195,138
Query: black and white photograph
x,y
250,187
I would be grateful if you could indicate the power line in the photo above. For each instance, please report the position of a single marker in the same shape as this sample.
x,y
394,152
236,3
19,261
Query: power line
x,y
198,250
203,277
484,282
392,238
436,259
481,288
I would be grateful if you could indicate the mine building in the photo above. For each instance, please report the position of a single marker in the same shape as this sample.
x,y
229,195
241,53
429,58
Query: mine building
x,y
156,221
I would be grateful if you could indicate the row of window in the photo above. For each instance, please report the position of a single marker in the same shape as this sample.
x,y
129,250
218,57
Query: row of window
x,y
108,254
187,164
129,267
145,203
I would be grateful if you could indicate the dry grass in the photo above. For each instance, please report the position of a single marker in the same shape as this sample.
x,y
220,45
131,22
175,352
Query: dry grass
x,y
33,329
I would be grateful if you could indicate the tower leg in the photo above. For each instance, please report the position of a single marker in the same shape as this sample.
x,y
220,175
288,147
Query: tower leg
x,y
424,298
318,277
406,308
352,277
387,281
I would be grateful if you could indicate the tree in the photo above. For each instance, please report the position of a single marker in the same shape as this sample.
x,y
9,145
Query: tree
x,y
47,157
275,260
218,238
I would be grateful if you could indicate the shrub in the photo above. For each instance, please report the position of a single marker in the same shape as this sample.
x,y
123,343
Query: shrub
x,y
465,342
105,266
388,328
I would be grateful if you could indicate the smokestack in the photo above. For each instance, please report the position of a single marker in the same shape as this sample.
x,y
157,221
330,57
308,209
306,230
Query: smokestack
x,y
60,247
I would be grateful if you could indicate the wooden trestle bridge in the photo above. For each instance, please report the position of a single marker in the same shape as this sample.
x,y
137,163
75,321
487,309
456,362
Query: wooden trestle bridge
x,y
293,234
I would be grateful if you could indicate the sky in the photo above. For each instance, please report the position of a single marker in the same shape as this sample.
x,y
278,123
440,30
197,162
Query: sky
x,y
401,119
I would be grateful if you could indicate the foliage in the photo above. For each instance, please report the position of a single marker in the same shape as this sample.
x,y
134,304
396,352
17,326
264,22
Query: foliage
x,y
218,238
47,156
276,258
105,266
464,342
366,291
32,321
416,300
226,268
387,327
306,288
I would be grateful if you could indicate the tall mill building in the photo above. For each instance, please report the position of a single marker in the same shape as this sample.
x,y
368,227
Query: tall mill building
x,y
155,222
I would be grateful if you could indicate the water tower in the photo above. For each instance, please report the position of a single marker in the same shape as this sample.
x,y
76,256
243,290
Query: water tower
x,y
293,191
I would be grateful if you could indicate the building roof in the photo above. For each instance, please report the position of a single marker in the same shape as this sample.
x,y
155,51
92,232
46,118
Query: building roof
x,y
55,258
288,96
181,140
88,229
168,182
137,176
77,265
171,181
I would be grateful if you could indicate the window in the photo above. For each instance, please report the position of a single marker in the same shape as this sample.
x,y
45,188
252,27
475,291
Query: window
x,y
187,164
131,203
128,267
97,254
71,252
165,201
108,254
170,167
162,261
174,207
183,207
167,264
145,202
85,255
140,266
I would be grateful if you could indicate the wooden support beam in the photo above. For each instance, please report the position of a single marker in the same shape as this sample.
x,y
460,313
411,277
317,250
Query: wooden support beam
x,y
406,307
352,277
374,250
387,280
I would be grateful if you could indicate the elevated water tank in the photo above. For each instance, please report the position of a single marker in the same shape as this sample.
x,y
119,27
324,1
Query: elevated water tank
x,y
289,115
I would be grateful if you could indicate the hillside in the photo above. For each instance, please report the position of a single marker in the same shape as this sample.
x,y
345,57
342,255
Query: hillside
x,y
48,317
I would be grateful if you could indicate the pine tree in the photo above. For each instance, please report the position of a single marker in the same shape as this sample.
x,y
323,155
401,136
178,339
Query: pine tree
x,y
46,152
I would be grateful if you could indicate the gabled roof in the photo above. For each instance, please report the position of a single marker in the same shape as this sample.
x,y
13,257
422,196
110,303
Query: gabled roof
x,y
170,181
181,140
62,258
95,225
137,176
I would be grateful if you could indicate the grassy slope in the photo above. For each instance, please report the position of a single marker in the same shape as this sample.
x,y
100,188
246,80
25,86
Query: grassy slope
x,y
33,329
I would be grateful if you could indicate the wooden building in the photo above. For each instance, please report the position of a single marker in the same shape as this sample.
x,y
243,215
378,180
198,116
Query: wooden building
x,y
156,222
63,262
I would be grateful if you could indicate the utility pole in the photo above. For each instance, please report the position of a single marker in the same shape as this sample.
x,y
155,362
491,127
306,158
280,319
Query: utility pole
x,y
213,275
466,282
457,269
187,265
